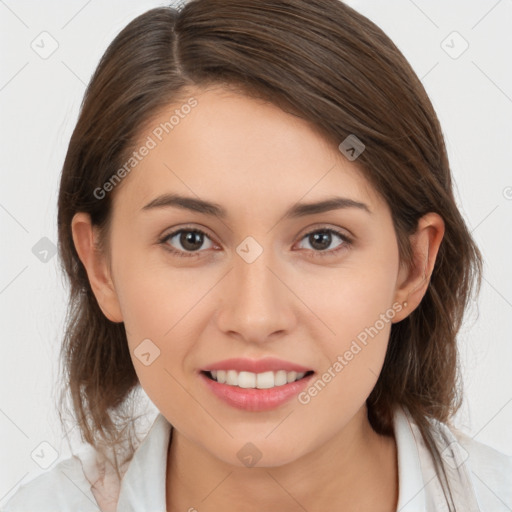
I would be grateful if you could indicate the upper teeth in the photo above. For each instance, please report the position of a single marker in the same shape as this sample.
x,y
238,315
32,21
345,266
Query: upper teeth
x,y
263,380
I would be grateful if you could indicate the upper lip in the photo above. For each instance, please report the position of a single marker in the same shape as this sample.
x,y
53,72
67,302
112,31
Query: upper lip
x,y
266,364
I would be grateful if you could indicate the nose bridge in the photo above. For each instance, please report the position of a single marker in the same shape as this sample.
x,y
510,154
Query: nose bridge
x,y
256,285
258,303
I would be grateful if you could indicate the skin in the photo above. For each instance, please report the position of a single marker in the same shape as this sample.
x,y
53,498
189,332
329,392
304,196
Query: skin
x,y
256,160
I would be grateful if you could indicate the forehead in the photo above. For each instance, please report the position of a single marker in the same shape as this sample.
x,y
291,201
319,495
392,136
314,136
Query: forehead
x,y
238,149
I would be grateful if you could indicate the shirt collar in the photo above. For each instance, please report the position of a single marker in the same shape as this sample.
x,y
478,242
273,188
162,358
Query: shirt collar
x,y
144,483
411,487
143,487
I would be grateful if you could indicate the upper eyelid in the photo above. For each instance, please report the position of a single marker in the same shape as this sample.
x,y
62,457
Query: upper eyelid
x,y
174,232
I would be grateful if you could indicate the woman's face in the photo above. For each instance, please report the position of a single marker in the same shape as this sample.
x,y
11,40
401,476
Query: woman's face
x,y
268,279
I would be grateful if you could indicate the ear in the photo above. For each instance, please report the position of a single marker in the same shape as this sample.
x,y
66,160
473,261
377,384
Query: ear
x,y
413,281
85,238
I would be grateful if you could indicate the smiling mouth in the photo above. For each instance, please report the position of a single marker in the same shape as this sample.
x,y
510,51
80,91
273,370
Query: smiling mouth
x,y
250,380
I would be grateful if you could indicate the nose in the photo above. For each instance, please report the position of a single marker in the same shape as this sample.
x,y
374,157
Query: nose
x,y
256,303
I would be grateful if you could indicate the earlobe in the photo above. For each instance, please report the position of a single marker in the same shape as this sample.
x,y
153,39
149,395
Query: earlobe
x,y
413,282
95,263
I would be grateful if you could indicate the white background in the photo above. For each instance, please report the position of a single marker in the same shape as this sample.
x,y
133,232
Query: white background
x,y
39,102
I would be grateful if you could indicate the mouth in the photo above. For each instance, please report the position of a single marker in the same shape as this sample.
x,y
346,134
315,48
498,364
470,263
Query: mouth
x,y
251,380
255,392
255,384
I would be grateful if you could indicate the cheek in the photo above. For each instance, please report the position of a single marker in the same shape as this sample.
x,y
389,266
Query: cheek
x,y
355,303
154,302
157,312
154,296
353,353
170,307
353,296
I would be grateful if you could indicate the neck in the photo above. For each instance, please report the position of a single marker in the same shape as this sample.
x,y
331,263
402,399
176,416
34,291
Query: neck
x,y
357,469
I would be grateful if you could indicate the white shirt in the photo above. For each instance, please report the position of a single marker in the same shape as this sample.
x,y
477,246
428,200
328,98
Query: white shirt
x,y
480,477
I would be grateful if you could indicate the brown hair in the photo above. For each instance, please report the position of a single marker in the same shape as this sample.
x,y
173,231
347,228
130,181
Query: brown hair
x,y
332,66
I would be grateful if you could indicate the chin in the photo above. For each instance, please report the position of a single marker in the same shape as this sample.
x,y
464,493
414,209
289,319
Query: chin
x,y
256,453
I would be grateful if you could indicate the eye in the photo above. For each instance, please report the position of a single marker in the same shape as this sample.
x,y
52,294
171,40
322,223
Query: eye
x,y
321,239
191,240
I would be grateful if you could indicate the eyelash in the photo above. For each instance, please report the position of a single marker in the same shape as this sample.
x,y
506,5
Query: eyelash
x,y
347,242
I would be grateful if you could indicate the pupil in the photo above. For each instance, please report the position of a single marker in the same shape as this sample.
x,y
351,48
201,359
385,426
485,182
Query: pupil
x,y
323,236
188,238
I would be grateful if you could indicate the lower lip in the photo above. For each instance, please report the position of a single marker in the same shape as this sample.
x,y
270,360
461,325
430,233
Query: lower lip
x,y
253,399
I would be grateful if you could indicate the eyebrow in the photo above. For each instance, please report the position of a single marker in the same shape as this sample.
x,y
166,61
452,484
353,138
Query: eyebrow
x,y
214,209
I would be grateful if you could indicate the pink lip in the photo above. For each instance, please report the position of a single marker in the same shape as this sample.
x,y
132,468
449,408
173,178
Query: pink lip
x,y
268,364
253,399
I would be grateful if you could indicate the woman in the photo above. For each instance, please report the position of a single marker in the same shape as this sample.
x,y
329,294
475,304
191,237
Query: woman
x,y
257,220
